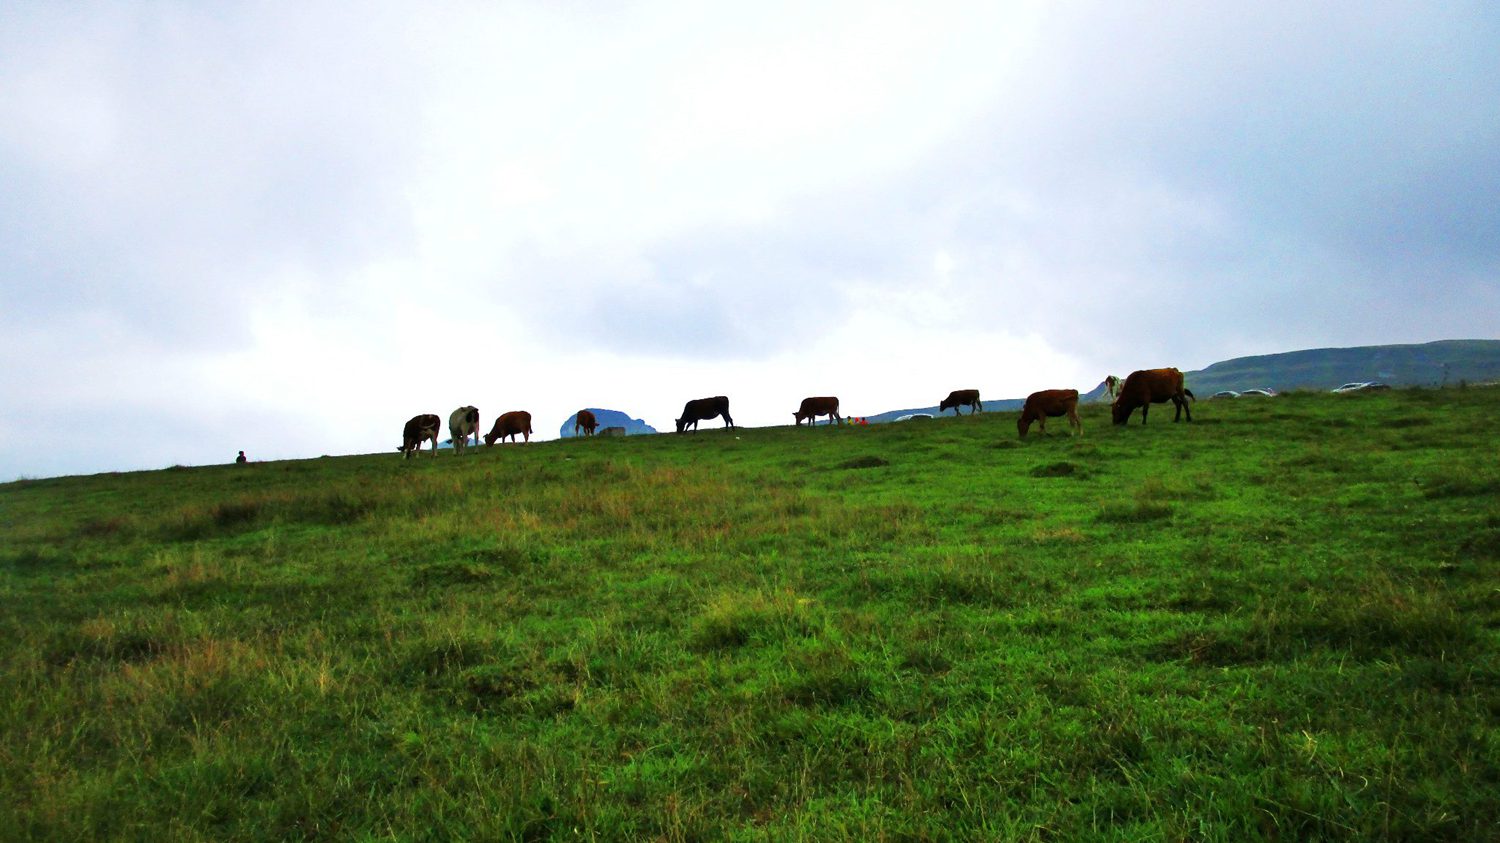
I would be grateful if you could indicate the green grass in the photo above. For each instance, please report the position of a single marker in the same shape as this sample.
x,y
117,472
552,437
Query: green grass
x,y
1279,621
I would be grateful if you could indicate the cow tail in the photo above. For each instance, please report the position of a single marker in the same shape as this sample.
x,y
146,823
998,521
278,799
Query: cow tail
x,y
1189,393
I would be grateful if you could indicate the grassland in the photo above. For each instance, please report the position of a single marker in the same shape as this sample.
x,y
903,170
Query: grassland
x,y
1278,621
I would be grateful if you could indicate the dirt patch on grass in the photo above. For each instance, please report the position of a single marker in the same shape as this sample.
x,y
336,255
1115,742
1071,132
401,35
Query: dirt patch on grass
x,y
1056,469
865,462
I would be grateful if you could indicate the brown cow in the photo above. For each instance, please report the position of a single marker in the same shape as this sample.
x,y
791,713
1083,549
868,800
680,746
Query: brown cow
x,y
1050,403
703,409
586,422
813,407
418,428
509,424
960,398
1152,386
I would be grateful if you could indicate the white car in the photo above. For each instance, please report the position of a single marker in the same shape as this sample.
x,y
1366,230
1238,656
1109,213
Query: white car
x,y
1227,393
911,416
1264,393
1361,386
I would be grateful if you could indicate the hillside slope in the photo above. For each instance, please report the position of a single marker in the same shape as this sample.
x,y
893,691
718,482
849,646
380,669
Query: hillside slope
x,y
1280,620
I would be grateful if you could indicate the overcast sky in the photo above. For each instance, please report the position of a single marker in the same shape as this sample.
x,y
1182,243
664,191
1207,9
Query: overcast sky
x,y
289,227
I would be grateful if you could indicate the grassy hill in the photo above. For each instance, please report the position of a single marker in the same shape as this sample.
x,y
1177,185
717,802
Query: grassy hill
x,y
1278,621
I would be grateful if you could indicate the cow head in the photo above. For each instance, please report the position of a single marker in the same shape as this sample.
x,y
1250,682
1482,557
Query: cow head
x,y
1121,411
681,425
489,438
946,404
1023,424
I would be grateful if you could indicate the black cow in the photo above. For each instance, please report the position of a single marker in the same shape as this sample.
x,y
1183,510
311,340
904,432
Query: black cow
x,y
703,409
813,407
960,398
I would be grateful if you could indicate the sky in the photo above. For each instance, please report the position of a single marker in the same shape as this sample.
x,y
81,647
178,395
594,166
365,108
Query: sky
x,y
289,227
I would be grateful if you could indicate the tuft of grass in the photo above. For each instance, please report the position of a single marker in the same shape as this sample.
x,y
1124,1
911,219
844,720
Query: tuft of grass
x,y
1137,511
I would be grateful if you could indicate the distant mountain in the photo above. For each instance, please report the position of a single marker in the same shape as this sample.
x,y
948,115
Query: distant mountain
x,y
1445,362
609,418
991,405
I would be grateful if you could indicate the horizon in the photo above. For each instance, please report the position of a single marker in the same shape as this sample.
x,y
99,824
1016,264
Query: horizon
x,y
446,443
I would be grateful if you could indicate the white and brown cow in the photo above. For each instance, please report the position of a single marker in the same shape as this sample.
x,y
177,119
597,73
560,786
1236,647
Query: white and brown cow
x,y
463,423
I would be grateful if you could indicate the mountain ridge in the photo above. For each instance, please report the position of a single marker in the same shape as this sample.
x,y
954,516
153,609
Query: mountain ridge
x,y
1437,363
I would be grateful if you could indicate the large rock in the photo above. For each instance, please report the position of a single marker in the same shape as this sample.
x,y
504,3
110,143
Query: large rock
x,y
609,418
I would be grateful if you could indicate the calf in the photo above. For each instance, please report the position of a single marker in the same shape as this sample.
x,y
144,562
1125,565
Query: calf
x,y
703,409
510,424
418,428
813,407
1050,403
960,398
1145,387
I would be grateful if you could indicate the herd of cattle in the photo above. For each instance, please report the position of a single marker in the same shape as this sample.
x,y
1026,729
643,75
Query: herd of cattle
x,y
1141,389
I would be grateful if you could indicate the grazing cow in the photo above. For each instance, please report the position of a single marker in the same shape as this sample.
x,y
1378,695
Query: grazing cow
x,y
425,426
612,431
703,409
813,407
1050,403
1112,385
463,423
510,424
586,422
960,398
1152,386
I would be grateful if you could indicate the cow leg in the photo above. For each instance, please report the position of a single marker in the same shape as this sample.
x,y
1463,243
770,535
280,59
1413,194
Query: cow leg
x,y
1145,408
1075,423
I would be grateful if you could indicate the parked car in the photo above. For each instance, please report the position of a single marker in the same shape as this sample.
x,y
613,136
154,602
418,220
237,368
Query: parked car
x,y
1264,393
1225,393
1362,386
914,416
